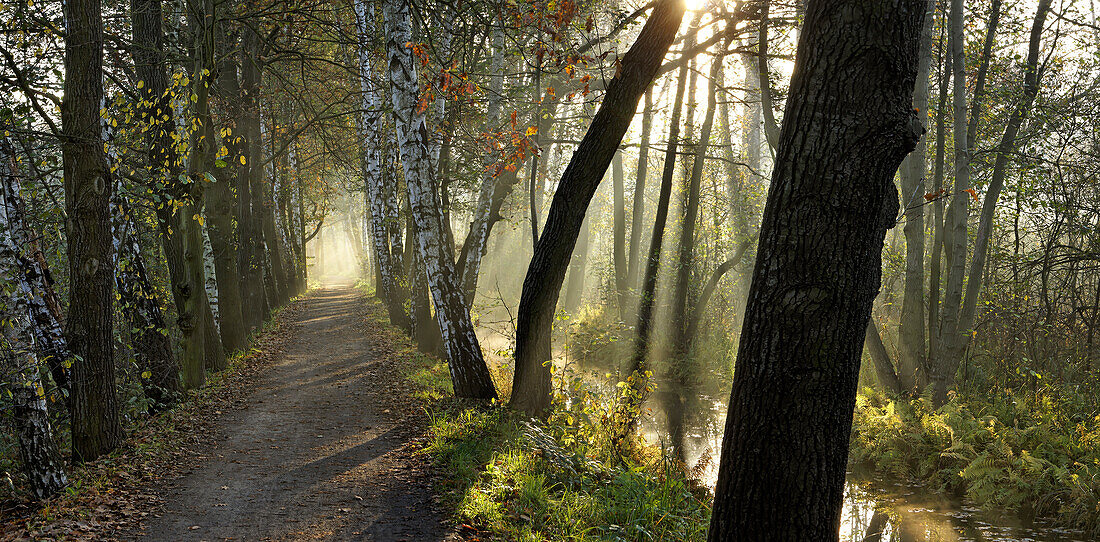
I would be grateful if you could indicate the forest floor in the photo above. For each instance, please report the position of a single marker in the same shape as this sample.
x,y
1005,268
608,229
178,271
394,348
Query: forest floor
x,y
323,449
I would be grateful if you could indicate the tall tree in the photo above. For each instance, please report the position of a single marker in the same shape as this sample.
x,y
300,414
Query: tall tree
x,y
148,50
96,427
469,372
911,336
20,301
220,199
249,231
545,274
848,124
372,134
959,311
630,407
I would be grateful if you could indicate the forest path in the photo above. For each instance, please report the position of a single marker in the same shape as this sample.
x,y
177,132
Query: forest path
x,y
320,451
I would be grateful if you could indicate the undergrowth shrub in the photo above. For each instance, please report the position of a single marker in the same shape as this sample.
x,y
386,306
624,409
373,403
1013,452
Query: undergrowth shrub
x,y
1034,456
561,479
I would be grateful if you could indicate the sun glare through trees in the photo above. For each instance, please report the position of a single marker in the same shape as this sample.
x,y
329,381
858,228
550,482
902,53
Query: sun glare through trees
x,y
541,270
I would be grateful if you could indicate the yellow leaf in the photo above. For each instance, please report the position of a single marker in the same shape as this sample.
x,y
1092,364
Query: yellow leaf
x,y
141,84
242,160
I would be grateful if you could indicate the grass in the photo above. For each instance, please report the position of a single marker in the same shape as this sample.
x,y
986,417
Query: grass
x,y
513,479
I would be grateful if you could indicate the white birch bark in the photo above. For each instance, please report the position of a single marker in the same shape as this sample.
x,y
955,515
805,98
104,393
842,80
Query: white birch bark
x,y
371,136
469,373
21,374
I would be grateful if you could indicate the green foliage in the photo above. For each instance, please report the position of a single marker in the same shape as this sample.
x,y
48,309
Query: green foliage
x,y
1037,456
558,480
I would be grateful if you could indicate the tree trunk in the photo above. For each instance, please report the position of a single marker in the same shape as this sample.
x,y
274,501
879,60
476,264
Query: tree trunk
x,y
372,130
637,217
96,428
469,373
44,305
686,249
956,227
619,232
153,352
630,406
164,162
196,322
272,240
574,292
880,358
848,124
952,355
250,236
542,284
220,203
494,187
18,307
712,285
911,339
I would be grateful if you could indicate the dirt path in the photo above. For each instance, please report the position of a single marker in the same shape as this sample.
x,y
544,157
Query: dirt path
x,y
320,452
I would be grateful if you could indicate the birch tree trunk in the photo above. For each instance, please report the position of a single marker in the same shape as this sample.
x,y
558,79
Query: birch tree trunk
x,y
153,352
152,348
372,136
469,373
847,126
21,301
542,284
96,427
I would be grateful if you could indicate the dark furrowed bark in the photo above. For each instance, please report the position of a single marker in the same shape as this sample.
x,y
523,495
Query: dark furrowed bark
x,y
96,426
848,124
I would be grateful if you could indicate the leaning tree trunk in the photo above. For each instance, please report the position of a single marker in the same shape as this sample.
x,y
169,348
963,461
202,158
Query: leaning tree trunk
x,y
848,124
44,308
494,177
152,347
469,372
21,302
541,286
96,427
153,352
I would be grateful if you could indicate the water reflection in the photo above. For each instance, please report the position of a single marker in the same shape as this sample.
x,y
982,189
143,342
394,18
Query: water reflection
x,y
874,510
879,512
